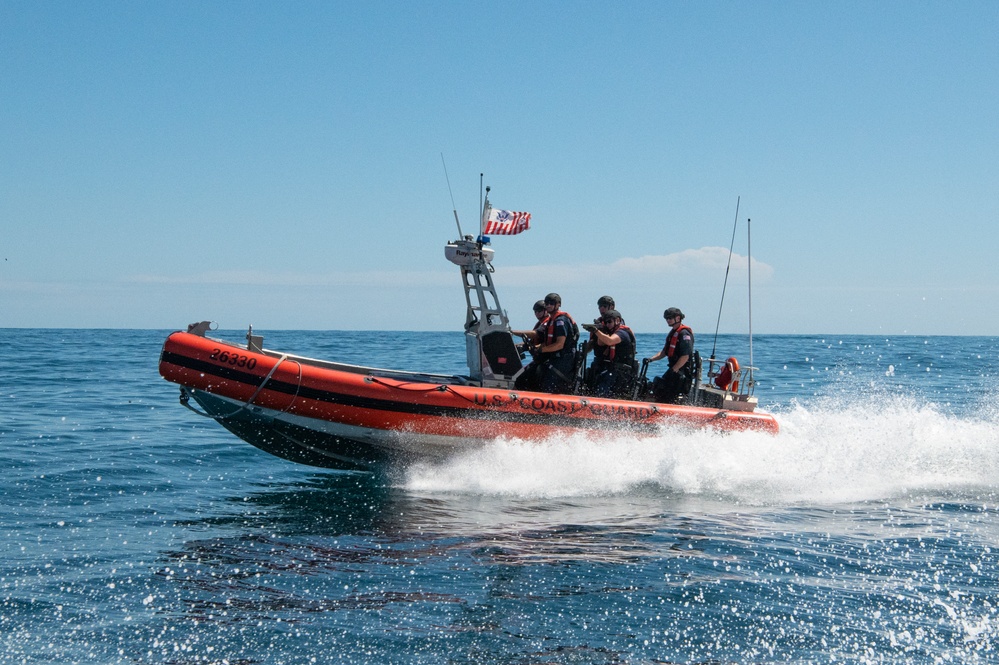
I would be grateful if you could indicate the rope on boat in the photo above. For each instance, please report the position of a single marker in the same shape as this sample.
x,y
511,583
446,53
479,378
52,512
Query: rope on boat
x,y
262,384
298,388
399,386
458,394
185,400
185,395
442,388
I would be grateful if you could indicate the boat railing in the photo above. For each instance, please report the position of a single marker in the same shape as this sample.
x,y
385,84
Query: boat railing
x,y
399,374
729,386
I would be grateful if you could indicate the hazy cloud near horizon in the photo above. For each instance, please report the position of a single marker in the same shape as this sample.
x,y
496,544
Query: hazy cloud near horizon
x,y
706,262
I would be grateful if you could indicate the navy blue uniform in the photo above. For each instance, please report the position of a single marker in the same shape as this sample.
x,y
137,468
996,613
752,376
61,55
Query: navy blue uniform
x,y
613,370
557,367
672,385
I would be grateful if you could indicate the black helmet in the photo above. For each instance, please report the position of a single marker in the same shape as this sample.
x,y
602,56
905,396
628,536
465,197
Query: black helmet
x,y
605,301
673,312
612,314
553,298
539,306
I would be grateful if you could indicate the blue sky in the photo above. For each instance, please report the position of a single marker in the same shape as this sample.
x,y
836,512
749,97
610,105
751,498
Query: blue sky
x,y
279,164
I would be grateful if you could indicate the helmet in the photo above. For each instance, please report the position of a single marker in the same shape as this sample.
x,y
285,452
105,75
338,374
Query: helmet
x,y
539,306
673,312
553,298
605,301
612,314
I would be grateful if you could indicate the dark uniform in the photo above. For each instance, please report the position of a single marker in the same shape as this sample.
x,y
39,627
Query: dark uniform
x,y
557,367
613,371
530,378
672,386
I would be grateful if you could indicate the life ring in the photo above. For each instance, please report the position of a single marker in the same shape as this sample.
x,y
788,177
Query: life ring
x,y
727,373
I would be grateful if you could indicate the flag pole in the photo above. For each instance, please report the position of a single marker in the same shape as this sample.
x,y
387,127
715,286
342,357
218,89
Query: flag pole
x,y
485,207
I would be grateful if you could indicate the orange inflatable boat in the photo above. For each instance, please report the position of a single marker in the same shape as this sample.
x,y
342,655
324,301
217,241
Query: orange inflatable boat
x,y
343,416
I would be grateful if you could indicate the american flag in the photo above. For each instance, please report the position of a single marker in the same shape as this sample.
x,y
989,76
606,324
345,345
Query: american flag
x,y
506,222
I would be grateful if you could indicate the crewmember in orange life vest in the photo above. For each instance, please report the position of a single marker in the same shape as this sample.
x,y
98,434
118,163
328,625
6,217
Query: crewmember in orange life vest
x,y
678,349
612,373
533,336
530,378
558,347
604,305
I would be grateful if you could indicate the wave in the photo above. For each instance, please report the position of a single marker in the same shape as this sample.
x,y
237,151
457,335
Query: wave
x,y
835,450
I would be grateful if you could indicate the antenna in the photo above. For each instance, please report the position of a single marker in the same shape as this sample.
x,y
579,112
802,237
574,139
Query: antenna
x,y
714,346
453,206
749,252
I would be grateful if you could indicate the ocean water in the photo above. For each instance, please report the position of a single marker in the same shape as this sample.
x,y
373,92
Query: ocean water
x,y
133,531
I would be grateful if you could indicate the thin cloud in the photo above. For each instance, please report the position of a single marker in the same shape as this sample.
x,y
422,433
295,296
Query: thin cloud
x,y
710,259
706,262
387,278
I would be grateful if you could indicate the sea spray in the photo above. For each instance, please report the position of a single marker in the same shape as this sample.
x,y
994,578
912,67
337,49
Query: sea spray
x,y
866,447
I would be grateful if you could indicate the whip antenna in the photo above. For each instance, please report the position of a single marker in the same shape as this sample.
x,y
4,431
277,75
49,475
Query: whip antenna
x,y
453,206
749,257
714,346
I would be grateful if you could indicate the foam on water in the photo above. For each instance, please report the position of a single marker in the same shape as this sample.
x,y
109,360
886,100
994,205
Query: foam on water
x,y
836,450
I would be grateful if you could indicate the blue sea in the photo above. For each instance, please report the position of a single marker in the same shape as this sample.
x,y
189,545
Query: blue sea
x,y
134,531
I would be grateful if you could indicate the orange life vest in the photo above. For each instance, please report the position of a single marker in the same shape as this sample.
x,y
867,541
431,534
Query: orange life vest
x,y
622,352
674,337
572,334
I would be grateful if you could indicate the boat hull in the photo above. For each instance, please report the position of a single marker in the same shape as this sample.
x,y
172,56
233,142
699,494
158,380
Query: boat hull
x,y
347,417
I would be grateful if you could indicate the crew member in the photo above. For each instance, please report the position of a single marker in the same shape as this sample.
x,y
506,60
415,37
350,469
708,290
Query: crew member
x,y
672,386
558,348
613,371
530,378
604,304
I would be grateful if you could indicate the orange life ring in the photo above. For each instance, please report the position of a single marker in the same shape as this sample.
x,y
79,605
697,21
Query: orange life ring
x,y
727,373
